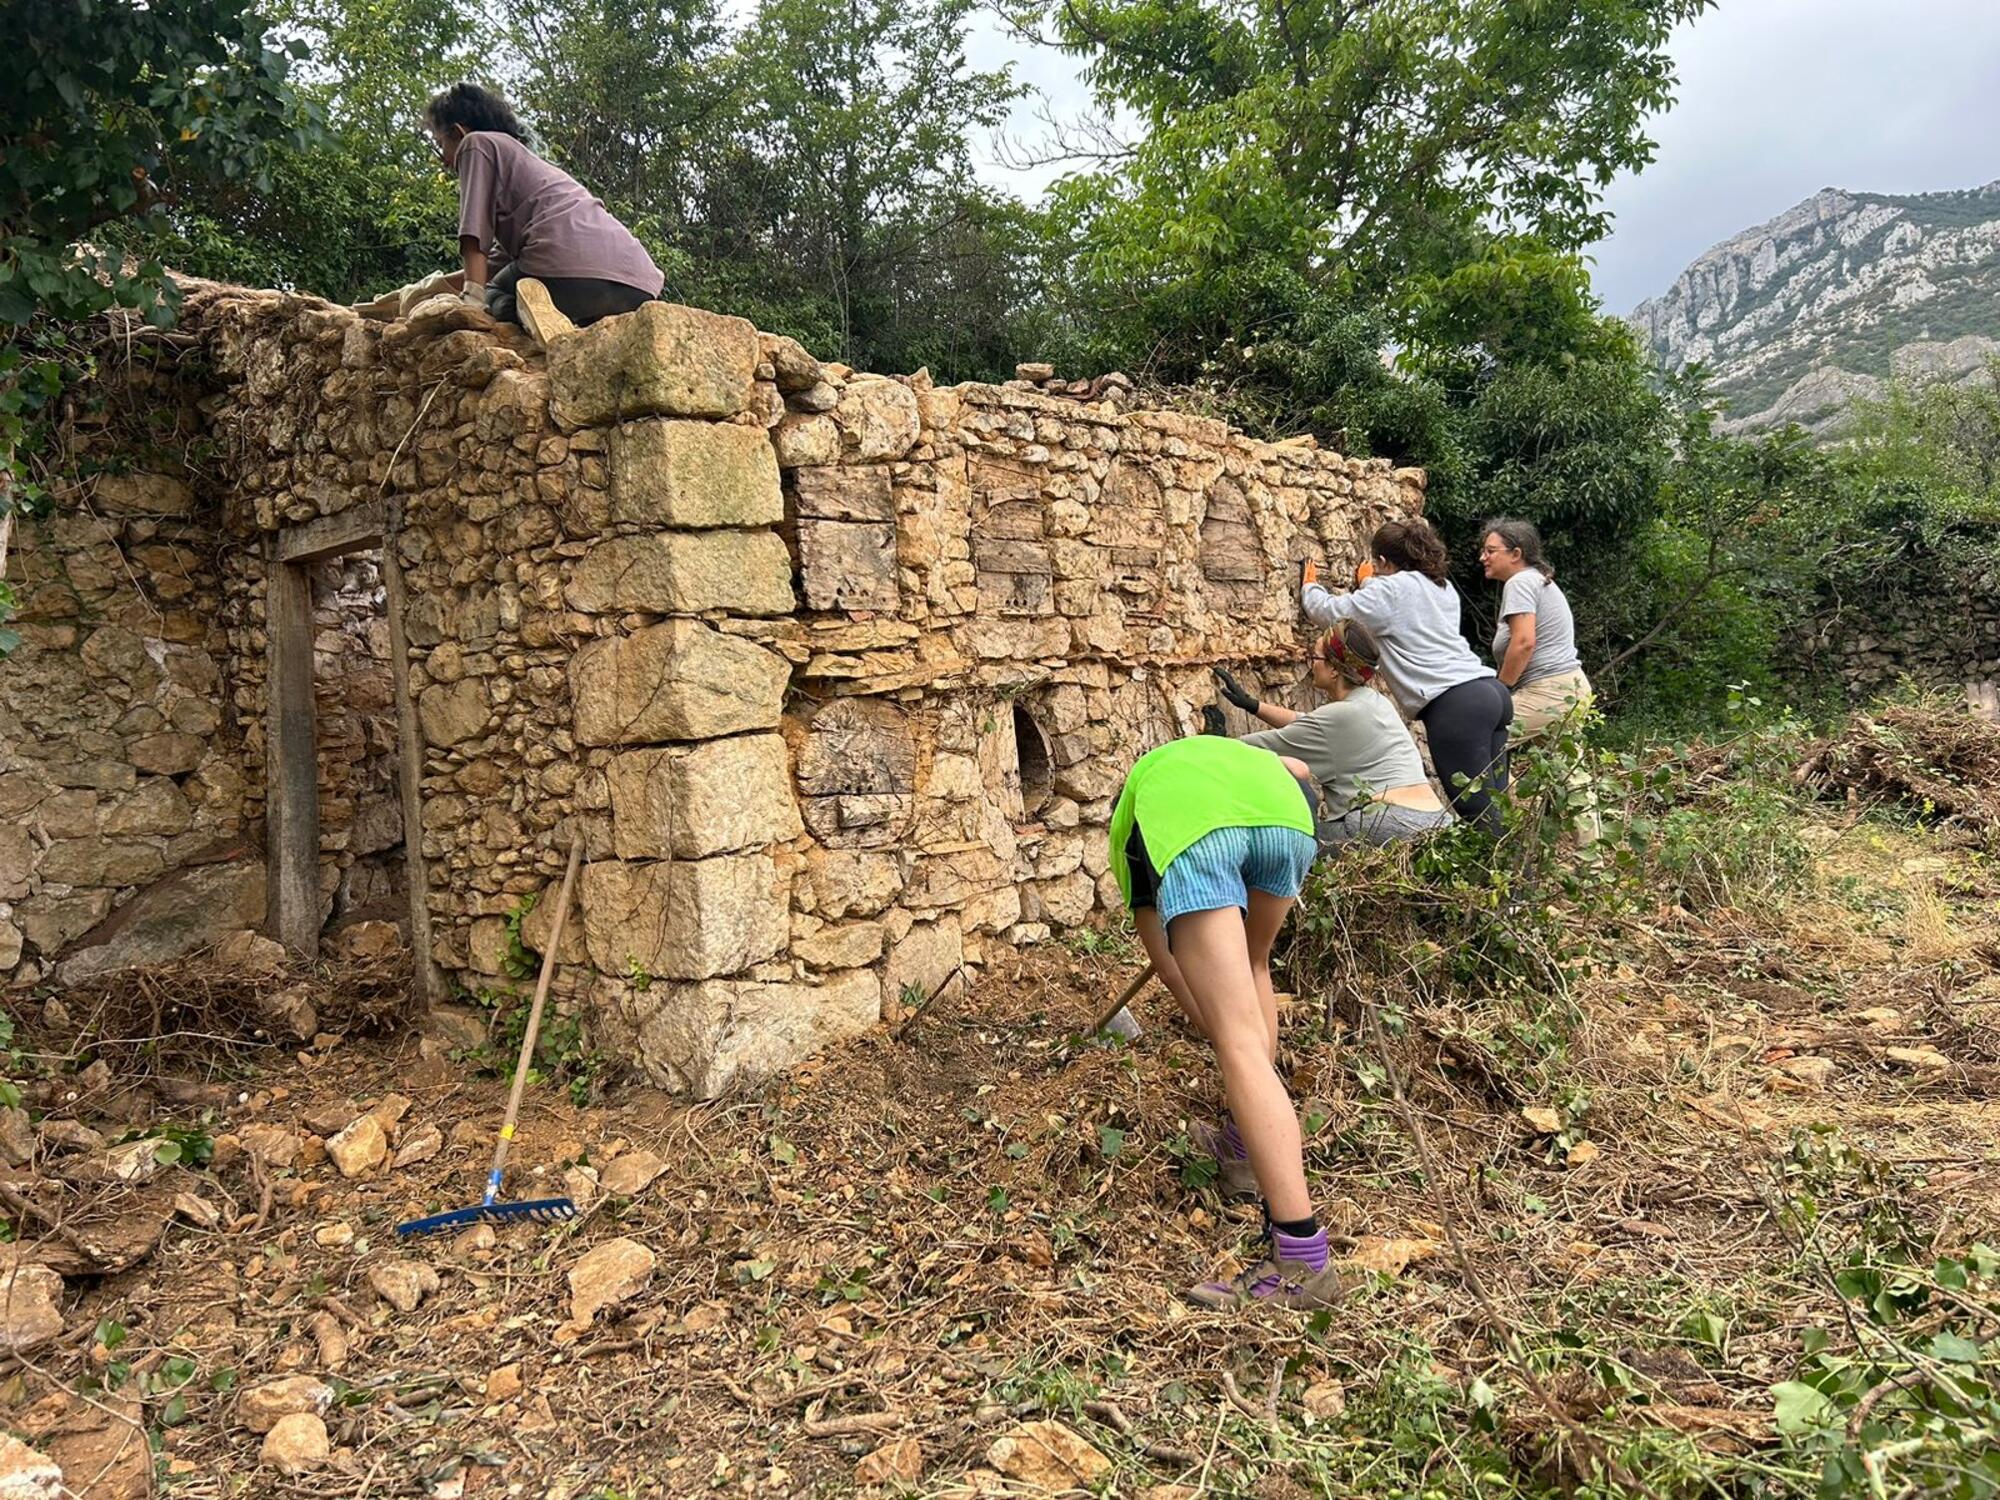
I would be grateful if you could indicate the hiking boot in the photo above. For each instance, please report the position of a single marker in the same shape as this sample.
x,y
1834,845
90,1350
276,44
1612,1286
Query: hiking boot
x,y
1284,1278
1233,1178
538,312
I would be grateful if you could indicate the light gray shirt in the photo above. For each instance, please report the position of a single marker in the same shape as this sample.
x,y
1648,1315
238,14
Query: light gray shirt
x,y
1529,593
1355,748
1416,621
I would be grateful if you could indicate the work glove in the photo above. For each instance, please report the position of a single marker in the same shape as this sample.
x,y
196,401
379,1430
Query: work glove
x,y
1233,691
419,291
1308,573
1211,721
474,295
1364,572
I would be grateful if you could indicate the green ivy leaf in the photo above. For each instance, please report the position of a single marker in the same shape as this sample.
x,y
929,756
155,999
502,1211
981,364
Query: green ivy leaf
x,y
1110,1141
1798,1408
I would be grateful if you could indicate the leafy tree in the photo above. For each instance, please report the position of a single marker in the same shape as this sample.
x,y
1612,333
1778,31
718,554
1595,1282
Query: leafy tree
x,y
633,97
119,110
850,185
365,205
115,110
1361,139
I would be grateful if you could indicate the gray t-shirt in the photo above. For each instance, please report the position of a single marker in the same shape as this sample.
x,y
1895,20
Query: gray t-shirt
x,y
1355,748
1416,621
542,217
1529,593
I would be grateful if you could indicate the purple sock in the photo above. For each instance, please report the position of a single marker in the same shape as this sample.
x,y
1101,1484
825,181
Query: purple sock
x,y
1233,1138
1309,1250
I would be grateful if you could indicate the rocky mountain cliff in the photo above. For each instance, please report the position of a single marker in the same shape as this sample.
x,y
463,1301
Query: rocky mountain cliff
x,y
1831,299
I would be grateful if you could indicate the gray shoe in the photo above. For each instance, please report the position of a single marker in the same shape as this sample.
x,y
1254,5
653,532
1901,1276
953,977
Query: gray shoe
x,y
1279,1280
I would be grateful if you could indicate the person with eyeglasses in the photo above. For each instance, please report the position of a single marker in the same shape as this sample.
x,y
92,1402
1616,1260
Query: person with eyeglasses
x,y
538,248
1356,745
1408,603
1534,645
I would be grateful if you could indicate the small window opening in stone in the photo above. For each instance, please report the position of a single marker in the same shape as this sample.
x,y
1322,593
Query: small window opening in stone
x,y
1031,748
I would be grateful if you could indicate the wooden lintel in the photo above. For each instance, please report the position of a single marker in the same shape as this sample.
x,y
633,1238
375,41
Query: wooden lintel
x,y
349,530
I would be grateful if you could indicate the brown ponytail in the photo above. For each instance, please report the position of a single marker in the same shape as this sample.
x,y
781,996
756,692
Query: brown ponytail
x,y
1414,548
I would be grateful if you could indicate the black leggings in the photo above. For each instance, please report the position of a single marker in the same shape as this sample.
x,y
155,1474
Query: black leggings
x,y
1467,728
581,299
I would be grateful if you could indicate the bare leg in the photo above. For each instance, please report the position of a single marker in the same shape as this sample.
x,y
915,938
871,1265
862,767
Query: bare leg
x,y
1215,960
1154,937
1260,931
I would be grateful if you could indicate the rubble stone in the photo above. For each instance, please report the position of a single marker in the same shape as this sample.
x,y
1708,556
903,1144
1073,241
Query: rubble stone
x,y
608,1276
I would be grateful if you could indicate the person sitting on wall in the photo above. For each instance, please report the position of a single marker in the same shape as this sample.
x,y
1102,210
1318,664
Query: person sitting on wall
x,y
538,248
1211,840
1356,745
1408,602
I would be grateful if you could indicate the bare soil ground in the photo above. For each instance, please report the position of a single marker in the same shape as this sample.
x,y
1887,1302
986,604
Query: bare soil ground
x,y
913,1245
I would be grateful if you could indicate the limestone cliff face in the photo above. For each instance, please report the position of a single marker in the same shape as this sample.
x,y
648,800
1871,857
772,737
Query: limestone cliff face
x,y
1828,301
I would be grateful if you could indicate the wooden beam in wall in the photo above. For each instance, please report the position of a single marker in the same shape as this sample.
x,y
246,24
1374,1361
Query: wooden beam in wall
x,y
346,531
291,761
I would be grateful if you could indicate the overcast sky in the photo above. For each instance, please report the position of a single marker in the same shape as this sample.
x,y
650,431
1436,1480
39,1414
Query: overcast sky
x,y
1778,99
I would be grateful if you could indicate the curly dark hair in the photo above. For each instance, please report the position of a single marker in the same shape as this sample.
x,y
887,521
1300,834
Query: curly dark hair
x,y
473,107
1413,547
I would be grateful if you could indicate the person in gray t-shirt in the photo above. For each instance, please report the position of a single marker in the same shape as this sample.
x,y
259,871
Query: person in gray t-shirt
x,y
1356,745
1534,645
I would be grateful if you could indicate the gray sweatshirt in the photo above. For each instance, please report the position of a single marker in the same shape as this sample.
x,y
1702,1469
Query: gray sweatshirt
x,y
1355,748
1416,620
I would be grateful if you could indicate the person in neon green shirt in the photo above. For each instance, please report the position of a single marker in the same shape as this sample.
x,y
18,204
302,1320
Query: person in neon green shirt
x,y
1210,842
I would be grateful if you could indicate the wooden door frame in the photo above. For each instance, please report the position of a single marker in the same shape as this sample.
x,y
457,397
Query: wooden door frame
x,y
291,750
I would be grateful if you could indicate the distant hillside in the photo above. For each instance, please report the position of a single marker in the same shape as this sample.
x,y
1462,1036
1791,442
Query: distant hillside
x,y
1798,317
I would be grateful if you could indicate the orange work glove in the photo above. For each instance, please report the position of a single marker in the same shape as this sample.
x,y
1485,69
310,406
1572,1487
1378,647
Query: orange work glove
x,y
1308,573
1363,573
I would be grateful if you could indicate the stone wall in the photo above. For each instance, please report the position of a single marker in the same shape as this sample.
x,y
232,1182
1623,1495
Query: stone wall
x,y
1944,634
836,675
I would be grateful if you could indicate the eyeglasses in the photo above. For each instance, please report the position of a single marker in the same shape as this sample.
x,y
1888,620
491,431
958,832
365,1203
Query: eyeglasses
x,y
1496,551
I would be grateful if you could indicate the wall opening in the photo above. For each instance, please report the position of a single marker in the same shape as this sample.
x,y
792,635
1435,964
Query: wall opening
x,y
340,650
1031,750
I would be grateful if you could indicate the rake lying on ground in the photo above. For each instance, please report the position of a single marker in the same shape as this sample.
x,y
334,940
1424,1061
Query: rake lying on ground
x,y
540,1210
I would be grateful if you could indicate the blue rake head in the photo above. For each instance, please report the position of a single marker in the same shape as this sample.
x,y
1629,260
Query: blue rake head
x,y
537,1210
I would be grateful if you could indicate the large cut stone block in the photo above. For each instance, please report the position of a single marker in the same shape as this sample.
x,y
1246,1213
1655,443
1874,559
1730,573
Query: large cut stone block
x,y
694,474
190,910
680,680
846,492
684,919
849,565
706,1039
704,799
662,361
682,572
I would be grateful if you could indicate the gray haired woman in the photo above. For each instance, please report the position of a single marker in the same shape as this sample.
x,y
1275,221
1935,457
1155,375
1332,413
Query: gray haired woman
x,y
1534,645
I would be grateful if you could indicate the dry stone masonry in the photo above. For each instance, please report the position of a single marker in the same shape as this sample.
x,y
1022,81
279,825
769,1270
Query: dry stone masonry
x,y
835,674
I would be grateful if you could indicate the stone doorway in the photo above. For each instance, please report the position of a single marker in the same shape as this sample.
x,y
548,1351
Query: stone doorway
x,y
335,728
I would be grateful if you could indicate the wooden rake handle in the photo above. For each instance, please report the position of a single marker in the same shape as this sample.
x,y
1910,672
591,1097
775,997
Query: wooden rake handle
x,y
534,1031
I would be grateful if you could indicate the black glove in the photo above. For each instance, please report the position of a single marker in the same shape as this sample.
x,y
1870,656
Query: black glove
x,y
1211,720
1233,691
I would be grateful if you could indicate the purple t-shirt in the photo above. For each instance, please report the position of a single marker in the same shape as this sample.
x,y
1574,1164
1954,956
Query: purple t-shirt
x,y
542,218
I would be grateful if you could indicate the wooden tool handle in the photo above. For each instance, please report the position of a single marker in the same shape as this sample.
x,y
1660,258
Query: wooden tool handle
x,y
1131,993
534,1030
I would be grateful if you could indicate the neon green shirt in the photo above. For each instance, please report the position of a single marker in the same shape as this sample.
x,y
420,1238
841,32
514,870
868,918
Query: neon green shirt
x,y
1188,788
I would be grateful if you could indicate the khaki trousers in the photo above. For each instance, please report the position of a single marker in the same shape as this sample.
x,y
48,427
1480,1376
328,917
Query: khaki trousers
x,y
1540,706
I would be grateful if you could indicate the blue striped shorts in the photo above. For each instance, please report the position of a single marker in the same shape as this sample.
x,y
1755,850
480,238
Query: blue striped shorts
x,y
1221,869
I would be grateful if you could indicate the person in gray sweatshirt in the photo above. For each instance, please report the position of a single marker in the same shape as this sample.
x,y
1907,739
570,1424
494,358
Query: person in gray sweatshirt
x,y
1413,611
1356,745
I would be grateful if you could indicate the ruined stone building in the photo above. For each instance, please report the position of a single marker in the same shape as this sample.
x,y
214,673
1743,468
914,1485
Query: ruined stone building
x,y
836,675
